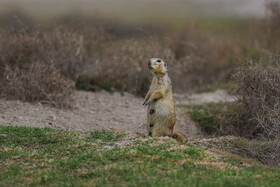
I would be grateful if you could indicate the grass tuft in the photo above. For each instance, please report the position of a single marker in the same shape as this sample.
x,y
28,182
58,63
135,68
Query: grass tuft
x,y
207,115
105,135
228,86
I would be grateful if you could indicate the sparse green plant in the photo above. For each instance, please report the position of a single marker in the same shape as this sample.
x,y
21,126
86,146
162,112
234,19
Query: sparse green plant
x,y
208,115
105,135
229,86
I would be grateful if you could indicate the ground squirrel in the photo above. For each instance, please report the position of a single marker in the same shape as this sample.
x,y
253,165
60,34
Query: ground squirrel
x,y
161,116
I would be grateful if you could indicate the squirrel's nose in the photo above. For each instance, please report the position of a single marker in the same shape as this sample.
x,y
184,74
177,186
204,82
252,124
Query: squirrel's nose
x,y
149,63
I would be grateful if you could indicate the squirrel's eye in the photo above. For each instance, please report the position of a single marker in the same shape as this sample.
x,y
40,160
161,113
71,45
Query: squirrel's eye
x,y
158,60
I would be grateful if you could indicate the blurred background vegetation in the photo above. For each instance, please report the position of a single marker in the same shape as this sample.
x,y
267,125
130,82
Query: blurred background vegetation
x,y
105,44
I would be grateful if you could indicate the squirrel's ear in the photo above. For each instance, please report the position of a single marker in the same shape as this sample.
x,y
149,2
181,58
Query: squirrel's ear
x,y
165,64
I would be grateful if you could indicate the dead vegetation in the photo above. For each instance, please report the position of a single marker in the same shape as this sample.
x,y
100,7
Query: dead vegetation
x,y
30,62
95,55
40,82
259,101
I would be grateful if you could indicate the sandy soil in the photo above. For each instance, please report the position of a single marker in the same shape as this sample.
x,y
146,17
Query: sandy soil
x,y
101,110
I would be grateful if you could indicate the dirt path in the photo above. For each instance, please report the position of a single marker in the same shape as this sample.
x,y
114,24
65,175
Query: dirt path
x,y
101,110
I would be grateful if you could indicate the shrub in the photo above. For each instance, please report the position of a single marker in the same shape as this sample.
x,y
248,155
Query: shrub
x,y
40,82
259,92
123,64
256,113
29,67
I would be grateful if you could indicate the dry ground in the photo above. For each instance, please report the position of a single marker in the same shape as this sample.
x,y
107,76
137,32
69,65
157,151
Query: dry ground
x,y
99,110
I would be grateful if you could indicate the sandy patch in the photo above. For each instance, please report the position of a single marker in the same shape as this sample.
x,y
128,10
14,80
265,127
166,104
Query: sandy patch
x,y
99,110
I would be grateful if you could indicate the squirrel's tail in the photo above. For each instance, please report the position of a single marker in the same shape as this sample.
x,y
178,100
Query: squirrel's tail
x,y
180,137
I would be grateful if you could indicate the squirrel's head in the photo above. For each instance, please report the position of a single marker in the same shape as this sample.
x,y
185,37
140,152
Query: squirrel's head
x,y
157,66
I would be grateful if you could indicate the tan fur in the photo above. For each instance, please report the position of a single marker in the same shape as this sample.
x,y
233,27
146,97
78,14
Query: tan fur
x,y
179,137
161,116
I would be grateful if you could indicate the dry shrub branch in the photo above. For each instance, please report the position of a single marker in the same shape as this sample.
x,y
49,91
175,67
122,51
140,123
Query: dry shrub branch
x,y
256,113
28,68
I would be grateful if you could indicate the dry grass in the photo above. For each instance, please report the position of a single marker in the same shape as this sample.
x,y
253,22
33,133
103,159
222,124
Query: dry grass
x,y
39,82
121,62
122,65
102,55
29,64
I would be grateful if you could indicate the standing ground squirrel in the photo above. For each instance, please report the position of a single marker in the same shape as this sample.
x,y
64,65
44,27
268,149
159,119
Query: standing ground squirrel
x,y
161,116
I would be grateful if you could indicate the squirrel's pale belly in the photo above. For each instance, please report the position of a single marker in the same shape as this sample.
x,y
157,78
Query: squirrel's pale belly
x,y
161,115
162,108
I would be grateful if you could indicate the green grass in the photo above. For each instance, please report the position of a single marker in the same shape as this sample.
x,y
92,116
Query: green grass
x,y
228,86
44,156
206,115
89,85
